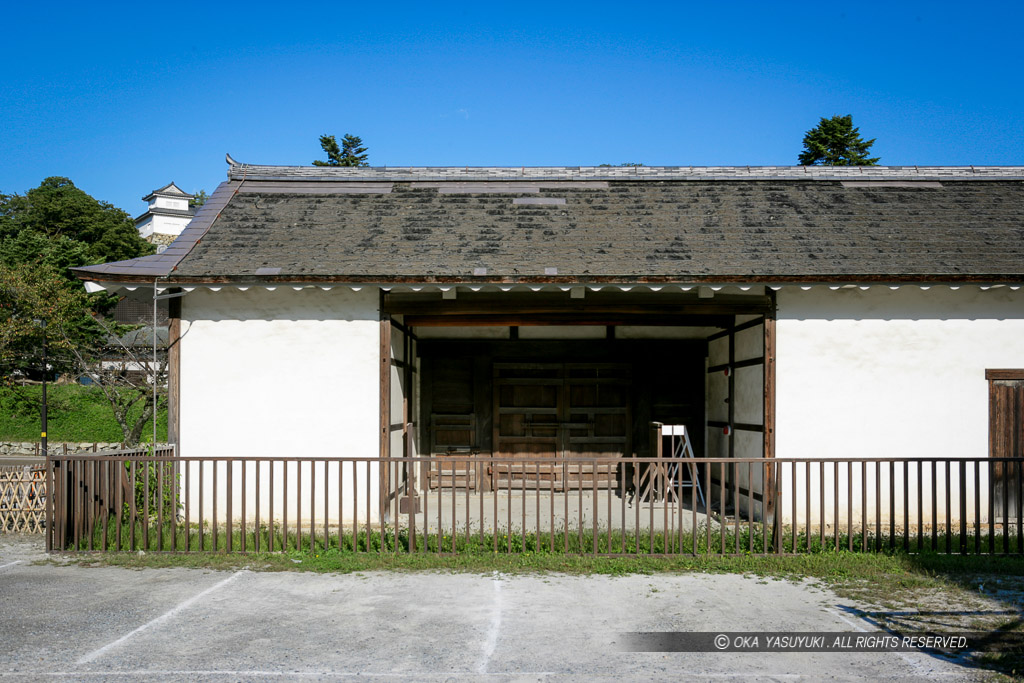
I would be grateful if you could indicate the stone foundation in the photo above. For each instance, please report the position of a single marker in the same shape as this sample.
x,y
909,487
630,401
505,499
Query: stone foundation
x,y
33,447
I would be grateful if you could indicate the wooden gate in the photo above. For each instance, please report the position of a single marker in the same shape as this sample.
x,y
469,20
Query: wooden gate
x,y
552,411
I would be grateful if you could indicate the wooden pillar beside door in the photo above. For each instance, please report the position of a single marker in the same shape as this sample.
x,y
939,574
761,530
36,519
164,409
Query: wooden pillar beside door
x,y
768,448
383,467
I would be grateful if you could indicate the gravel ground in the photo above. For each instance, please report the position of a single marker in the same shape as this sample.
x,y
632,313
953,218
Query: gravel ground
x,y
108,623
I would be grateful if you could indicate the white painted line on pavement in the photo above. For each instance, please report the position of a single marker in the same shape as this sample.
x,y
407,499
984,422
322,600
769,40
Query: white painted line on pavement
x,y
9,564
854,624
160,619
492,634
915,662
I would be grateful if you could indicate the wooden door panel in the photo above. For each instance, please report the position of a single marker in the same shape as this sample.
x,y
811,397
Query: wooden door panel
x,y
553,410
1006,440
1007,419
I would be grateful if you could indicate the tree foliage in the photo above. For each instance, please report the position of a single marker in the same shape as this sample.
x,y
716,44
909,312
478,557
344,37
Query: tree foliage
x,y
80,229
198,199
30,294
59,226
836,142
43,234
351,152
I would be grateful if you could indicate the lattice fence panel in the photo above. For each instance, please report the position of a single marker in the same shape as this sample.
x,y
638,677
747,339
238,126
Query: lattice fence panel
x,y
22,499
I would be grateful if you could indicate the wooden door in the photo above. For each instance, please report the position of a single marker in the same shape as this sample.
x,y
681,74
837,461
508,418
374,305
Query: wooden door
x,y
550,411
450,386
528,405
597,420
1006,440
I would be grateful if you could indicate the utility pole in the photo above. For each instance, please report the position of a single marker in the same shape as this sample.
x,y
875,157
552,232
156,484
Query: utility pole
x,y
42,433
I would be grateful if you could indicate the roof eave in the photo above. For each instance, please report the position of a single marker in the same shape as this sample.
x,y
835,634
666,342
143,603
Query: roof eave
x,y
95,274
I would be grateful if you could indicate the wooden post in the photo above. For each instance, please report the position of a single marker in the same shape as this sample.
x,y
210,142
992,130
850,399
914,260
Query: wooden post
x,y
731,419
385,408
768,446
173,371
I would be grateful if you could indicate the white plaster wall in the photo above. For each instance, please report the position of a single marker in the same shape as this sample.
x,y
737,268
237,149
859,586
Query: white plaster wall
x,y
164,225
169,225
145,228
169,203
890,373
282,373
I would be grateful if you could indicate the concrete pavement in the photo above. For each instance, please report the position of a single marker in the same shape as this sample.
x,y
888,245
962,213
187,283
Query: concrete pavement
x,y
100,624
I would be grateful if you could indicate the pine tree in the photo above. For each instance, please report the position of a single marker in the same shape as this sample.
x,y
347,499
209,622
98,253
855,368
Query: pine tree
x,y
351,153
835,142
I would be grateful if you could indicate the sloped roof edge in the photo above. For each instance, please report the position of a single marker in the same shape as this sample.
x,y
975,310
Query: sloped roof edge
x,y
161,265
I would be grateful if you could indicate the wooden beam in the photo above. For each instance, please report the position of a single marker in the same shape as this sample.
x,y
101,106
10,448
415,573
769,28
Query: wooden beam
x,y
402,364
1010,374
465,307
749,362
738,426
538,319
403,329
733,330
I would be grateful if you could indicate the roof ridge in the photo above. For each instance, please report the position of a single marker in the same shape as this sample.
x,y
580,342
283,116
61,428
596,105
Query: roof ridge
x,y
240,171
165,191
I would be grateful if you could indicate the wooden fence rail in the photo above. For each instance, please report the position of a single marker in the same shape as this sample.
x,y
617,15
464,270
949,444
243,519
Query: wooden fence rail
x,y
596,505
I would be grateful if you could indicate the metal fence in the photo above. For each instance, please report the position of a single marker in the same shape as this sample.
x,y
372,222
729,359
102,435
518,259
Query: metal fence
x,y
599,505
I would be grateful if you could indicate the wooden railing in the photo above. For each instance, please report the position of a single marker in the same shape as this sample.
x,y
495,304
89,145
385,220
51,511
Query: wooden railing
x,y
87,489
616,505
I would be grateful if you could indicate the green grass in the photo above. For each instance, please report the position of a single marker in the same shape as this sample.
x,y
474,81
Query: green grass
x,y
886,575
74,413
136,534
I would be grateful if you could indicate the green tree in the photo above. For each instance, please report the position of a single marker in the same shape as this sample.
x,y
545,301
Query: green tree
x,y
351,152
835,142
59,217
198,199
60,226
43,234
34,292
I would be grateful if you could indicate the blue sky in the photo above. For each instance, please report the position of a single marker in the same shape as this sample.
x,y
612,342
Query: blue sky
x,y
123,100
